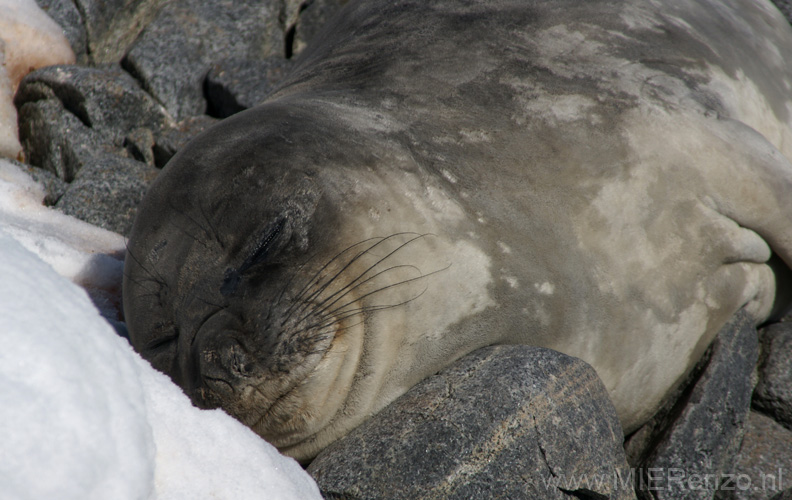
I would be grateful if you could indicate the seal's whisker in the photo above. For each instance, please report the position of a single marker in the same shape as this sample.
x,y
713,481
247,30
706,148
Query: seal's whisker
x,y
348,326
287,285
361,275
188,233
317,278
209,223
350,290
209,303
358,256
319,291
392,285
340,309
363,310
148,293
153,272
195,223
351,261
143,283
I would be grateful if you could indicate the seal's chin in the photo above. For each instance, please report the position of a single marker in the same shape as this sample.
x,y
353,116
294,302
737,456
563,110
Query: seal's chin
x,y
298,415
287,389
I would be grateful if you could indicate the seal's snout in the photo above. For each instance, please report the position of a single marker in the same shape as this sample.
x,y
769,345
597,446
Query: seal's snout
x,y
221,360
235,359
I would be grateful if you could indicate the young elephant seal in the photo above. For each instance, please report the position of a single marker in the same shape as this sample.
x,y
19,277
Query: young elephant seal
x,y
604,178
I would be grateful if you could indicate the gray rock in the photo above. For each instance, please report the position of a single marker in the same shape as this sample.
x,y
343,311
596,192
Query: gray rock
x,y
172,140
68,17
764,464
139,143
101,31
52,184
707,424
55,139
784,495
72,118
105,99
773,393
311,19
785,6
107,192
173,54
502,422
235,85
113,25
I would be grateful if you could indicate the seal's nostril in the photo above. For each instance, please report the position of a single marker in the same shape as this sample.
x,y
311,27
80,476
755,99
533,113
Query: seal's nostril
x,y
234,358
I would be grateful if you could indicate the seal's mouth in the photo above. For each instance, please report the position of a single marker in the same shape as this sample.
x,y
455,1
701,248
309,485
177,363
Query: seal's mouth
x,y
286,371
231,359
269,415
286,407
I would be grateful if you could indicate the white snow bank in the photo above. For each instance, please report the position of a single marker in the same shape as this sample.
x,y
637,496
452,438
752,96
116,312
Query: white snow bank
x,y
89,256
83,416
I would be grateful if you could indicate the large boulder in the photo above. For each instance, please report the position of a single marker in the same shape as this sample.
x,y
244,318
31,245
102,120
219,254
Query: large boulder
x,y
173,54
764,464
695,441
773,393
503,422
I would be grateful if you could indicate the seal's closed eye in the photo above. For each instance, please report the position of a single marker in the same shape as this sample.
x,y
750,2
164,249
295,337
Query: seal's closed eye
x,y
265,247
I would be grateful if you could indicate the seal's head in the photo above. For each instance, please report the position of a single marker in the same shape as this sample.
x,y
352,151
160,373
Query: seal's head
x,y
246,286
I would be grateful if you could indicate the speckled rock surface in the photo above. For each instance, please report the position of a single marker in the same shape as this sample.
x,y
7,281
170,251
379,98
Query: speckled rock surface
x,y
175,51
785,6
503,422
106,192
101,31
706,425
773,394
784,495
235,85
764,464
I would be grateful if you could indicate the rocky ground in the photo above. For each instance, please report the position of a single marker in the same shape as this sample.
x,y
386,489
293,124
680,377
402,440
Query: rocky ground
x,y
150,74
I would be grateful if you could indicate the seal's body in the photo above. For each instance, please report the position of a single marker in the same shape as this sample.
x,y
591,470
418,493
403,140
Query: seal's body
x,y
605,178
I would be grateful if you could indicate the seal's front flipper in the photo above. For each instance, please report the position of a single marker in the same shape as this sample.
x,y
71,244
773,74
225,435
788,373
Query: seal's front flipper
x,y
753,187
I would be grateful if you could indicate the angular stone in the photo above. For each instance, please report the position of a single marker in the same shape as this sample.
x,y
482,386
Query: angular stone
x,y
315,14
106,192
52,184
764,464
105,99
68,17
702,433
784,495
773,393
55,139
785,6
113,25
101,31
173,139
173,54
139,143
502,422
235,85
